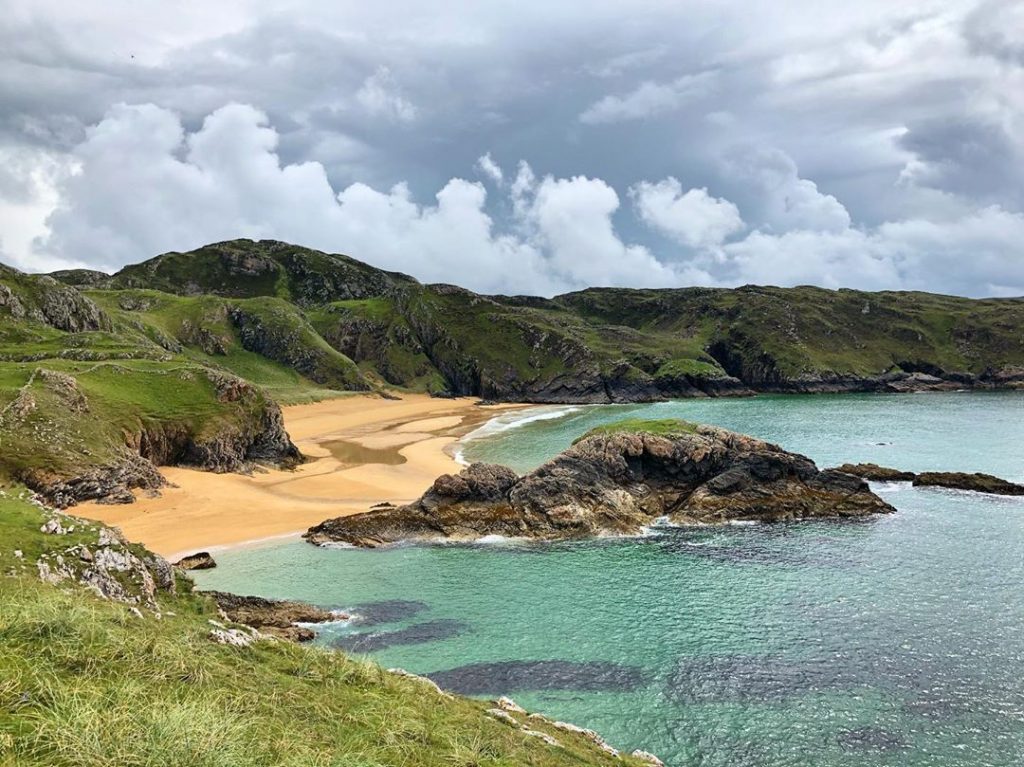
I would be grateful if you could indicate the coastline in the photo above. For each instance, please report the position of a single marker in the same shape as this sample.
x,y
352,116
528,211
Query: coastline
x,y
362,450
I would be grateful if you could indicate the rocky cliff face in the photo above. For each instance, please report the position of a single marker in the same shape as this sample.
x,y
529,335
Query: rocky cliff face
x,y
51,410
616,482
45,300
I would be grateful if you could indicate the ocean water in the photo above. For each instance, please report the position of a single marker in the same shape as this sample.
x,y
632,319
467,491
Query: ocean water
x,y
892,641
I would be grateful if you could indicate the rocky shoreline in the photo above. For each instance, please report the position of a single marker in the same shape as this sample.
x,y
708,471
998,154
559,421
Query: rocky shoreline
x,y
274,617
580,389
618,480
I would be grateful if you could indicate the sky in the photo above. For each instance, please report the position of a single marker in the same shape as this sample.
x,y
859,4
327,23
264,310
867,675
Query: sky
x,y
528,147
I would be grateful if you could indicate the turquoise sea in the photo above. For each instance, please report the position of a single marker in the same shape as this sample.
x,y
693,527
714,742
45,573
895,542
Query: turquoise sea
x,y
893,641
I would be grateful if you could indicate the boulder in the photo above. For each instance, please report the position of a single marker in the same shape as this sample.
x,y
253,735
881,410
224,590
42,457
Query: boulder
x,y
201,560
617,480
953,480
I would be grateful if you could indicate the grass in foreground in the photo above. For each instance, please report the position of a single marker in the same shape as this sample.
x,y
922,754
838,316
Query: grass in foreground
x,y
86,682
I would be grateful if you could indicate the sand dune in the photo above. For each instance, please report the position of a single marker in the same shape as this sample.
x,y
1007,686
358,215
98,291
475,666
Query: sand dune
x,y
362,450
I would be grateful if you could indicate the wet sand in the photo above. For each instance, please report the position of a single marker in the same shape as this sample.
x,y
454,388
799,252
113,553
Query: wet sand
x,y
363,450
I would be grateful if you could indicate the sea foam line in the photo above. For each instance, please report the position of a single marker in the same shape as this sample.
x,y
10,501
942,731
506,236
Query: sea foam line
x,y
513,420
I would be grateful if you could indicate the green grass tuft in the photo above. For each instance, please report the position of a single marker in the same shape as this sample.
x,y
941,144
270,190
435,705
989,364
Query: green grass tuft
x,y
662,427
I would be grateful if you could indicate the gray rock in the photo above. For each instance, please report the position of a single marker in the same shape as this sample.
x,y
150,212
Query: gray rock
x,y
618,483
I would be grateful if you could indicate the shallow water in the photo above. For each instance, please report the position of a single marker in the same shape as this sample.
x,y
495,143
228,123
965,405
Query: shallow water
x,y
893,641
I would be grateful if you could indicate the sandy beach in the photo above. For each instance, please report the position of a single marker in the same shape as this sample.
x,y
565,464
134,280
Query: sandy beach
x,y
362,450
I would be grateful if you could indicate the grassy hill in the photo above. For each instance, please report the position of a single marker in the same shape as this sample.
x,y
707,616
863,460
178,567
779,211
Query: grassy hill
x,y
597,345
185,357
137,678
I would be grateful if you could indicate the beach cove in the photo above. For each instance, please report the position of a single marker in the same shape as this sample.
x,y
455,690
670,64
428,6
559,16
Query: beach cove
x,y
362,450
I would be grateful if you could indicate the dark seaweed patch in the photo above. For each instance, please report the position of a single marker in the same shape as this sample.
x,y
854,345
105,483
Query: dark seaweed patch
x,y
420,633
753,678
388,611
513,676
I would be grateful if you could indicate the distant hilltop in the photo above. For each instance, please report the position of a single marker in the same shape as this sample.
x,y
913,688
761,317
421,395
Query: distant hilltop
x,y
595,345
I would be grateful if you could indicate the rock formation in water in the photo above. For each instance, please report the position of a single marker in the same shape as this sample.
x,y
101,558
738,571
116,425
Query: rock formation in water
x,y
273,616
201,560
953,480
616,480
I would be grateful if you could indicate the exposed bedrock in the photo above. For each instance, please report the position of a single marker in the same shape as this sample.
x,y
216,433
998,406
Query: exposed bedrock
x,y
616,480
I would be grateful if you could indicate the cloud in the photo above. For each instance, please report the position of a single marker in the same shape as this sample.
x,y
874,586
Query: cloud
x,y
490,169
695,219
996,28
146,186
969,156
969,255
142,184
787,200
573,218
379,95
649,99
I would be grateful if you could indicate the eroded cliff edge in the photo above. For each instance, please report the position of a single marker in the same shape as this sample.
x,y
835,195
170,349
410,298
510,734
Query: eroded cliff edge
x,y
617,480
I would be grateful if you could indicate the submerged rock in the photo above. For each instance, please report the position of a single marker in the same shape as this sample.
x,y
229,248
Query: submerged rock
x,y
617,480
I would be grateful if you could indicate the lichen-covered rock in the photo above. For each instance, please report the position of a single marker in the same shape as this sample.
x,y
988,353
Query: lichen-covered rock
x,y
617,482
112,570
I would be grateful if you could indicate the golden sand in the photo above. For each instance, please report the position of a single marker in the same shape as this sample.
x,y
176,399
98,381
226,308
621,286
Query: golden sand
x,y
363,450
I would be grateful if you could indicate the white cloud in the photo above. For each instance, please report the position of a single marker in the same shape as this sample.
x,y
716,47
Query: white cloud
x,y
788,201
487,166
379,95
143,185
146,186
649,99
695,219
973,254
573,218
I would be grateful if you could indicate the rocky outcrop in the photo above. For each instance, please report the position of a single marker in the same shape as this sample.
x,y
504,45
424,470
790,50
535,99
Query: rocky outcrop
x,y
958,480
953,480
201,560
285,336
617,481
250,431
876,473
111,483
273,616
45,300
112,568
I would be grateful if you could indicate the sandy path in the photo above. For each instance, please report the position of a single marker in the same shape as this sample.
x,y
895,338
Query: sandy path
x,y
363,450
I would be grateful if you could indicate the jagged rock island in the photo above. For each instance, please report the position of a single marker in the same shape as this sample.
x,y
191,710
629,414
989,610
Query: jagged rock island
x,y
615,480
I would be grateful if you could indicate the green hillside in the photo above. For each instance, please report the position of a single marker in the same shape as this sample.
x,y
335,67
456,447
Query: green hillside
x,y
185,357
137,679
